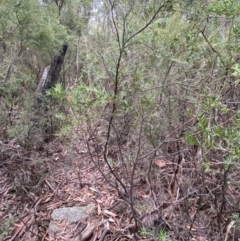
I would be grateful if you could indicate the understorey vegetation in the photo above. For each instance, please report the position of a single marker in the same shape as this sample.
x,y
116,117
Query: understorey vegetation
x,y
147,94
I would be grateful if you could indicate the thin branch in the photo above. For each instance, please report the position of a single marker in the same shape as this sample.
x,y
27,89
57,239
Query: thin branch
x,y
115,25
210,45
133,173
174,131
105,65
124,27
5,38
151,20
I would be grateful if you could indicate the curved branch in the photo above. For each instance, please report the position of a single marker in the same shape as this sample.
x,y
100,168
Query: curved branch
x,y
212,48
147,24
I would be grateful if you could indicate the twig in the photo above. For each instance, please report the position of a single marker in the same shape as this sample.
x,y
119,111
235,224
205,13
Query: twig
x,y
228,229
213,49
166,139
147,24
132,175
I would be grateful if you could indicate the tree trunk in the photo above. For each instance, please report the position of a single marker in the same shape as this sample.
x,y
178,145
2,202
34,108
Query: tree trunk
x,y
50,76
44,118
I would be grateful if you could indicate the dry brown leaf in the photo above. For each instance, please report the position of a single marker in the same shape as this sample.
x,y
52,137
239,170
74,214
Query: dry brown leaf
x,y
145,196
162,163
20,227
109,213
228,229
93,189
192,229
88,230
111,220
99,210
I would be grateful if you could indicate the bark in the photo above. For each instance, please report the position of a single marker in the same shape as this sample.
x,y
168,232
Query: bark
x,y
43,119
50,75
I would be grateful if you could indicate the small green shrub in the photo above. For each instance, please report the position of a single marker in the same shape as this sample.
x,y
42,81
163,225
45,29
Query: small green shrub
x,y
162,235
5,228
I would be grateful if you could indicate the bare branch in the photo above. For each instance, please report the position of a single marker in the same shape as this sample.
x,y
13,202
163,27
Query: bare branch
x,y
115,24
210,45
151,20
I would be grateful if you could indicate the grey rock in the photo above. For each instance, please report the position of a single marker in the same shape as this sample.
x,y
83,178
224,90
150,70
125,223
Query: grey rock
x,y
72,214
64,221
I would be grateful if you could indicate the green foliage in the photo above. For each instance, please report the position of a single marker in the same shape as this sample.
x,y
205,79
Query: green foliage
x,y
57,92
230,8
236,73
23,126
86,99
145,233
29,33
162,235
5,227
86,103
235,217
125,76
143,208
212,136
32,24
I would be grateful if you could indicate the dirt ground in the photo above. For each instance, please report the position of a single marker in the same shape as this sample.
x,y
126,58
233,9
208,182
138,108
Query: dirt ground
x,y
34,183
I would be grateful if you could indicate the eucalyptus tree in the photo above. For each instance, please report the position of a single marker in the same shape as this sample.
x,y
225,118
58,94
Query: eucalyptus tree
x,y
30,34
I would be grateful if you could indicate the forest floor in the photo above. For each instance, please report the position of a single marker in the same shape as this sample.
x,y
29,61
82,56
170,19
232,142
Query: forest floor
x,y
34,183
